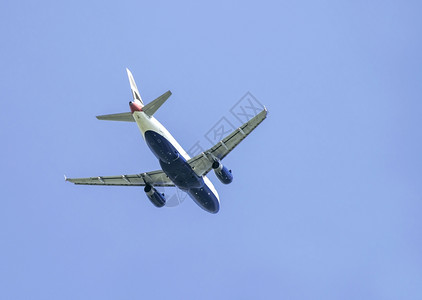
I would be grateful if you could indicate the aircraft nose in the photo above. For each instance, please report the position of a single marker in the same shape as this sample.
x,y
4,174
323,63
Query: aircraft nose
x,y
205,199
213,208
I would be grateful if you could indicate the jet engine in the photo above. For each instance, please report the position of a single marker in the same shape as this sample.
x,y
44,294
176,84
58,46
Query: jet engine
x,y
223,174
154,196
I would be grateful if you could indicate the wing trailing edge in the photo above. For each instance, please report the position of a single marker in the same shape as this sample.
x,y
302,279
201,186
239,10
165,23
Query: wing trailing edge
x,y
202,163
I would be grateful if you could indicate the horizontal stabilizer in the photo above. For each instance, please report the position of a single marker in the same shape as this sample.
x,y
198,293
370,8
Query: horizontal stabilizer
x,y
153,106
126,117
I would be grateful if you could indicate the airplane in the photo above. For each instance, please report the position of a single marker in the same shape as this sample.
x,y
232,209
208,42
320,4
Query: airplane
x,y
178,169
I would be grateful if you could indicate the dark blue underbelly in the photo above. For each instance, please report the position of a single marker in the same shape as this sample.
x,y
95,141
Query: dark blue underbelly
x,y
182,174
172,163
205,198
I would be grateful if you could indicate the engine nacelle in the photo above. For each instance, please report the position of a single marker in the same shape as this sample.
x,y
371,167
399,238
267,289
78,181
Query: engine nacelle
x,y
223,174
154,196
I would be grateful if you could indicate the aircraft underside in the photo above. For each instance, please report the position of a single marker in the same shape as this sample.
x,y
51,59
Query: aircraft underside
x,y
180,172
189,174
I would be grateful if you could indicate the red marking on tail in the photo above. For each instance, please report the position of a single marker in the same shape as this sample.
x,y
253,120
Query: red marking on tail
x,y
135,106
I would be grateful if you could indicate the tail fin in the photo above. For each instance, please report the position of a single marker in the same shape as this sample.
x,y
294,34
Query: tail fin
x,y
148,109
135,92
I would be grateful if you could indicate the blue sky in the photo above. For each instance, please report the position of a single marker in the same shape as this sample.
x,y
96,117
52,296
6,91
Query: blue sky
x,y
326,197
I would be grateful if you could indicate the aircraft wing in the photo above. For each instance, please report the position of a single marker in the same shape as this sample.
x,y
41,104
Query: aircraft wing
x,y
202,163
155,178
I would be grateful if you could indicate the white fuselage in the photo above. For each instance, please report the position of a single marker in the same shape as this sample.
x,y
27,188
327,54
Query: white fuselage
x,y
148,124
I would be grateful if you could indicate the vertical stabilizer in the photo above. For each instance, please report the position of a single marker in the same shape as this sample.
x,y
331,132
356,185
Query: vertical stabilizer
x,y
135,92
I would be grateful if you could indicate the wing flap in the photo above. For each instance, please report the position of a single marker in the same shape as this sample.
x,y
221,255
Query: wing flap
x,y
155,178
202,163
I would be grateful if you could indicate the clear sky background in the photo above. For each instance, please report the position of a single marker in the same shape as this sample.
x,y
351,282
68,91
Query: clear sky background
x,y
326,197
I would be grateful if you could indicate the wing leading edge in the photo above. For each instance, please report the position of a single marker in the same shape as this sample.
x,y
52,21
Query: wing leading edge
x,y
155,178
202,163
